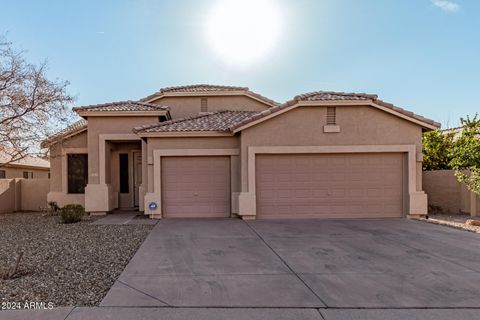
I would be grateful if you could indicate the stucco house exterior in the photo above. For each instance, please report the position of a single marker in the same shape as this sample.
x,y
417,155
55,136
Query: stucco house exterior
x,y
223,151
29,167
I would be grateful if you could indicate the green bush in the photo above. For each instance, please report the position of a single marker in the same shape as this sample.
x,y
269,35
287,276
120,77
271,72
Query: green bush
x,y
437,150
72,213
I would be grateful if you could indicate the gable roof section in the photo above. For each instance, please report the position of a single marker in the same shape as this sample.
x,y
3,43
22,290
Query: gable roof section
x,y
120,106
220,121
73,129
208,89
330,98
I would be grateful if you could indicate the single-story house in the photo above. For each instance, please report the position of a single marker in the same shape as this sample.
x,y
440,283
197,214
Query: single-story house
x,y
28,167
222,151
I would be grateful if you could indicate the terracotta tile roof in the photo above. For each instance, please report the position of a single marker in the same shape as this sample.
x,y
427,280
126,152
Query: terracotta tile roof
x,y
333,96
219,121
202,88
72,129
122,106
208,88
27,161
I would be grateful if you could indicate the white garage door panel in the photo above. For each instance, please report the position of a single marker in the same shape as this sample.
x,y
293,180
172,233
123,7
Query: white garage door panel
x,y
330,185
196,187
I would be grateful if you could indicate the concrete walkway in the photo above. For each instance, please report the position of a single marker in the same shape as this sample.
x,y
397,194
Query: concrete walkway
x,y
125,217
127,313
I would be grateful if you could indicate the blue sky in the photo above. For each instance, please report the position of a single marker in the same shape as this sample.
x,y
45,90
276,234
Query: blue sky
x,y
422,55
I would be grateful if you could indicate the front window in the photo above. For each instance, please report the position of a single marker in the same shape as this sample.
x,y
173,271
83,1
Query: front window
x,y
27,175
3,174
77,172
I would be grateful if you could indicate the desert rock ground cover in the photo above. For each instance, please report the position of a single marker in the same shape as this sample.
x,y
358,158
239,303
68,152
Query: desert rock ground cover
x,y
65,264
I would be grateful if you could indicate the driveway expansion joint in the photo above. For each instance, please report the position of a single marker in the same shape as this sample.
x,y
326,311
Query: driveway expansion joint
x,y
148,295
286,264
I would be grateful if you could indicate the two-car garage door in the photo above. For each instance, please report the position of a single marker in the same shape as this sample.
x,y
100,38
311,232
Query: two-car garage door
x,y
329,185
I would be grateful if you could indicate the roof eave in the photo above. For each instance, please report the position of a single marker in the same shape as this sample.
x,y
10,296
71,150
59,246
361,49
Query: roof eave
x,y
157,96
182,134
92,113
25,166
47,143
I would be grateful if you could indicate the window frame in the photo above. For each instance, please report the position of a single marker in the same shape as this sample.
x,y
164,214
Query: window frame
x,y
70,188
27,174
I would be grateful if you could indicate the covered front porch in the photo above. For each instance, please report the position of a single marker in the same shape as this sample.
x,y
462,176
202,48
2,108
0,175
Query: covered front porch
x,y
119,183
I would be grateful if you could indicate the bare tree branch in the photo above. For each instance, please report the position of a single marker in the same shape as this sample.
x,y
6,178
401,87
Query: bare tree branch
x,y
31,106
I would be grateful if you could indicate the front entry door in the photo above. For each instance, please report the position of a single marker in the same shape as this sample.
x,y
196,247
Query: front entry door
x,y
137,176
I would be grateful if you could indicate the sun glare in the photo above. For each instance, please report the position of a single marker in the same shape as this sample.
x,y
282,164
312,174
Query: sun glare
x,y
243,32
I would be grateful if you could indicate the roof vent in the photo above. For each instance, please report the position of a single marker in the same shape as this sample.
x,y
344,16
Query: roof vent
x,y
331,115
203,105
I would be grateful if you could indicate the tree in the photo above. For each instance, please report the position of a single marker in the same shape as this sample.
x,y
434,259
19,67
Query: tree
x,y
31,106
466,154
437,148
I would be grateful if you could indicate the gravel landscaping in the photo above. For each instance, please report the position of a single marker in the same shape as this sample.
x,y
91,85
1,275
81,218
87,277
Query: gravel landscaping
x,y
66,264
457,221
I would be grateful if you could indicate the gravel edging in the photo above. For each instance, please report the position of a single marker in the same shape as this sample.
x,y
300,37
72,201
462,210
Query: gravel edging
x,y
456,221
66,264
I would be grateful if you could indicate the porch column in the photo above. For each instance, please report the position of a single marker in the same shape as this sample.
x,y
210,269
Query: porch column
x,y
142,190
99,196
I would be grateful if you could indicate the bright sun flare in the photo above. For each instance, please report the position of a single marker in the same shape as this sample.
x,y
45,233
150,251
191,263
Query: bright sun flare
x,y
243,32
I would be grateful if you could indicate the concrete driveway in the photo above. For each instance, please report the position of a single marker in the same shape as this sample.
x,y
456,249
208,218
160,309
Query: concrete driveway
x,y
306,264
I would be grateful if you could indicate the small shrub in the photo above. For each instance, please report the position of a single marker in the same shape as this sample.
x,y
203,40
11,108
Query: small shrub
x,y
71,213
52,209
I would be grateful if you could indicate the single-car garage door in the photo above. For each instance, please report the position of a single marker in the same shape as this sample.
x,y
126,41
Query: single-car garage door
x,y
366,185
195,187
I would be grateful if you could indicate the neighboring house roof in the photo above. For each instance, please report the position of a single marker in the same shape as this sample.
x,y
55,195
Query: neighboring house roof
x,y
457,132
121,106
73,129
220,121
341,98
27,161
331,95
203,89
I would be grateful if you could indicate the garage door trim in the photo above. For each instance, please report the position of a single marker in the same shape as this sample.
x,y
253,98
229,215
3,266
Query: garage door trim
x,y
156,195
414,196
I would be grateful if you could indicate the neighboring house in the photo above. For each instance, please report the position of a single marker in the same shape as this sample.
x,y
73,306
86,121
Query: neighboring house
x,y
218,151
28,167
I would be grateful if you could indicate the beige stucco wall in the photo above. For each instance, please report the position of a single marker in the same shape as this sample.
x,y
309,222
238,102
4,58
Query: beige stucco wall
x,y
12,173
232,142
34,193
189,106
58,170
446,192
57,153
7,195
303,126
23,194
108,125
